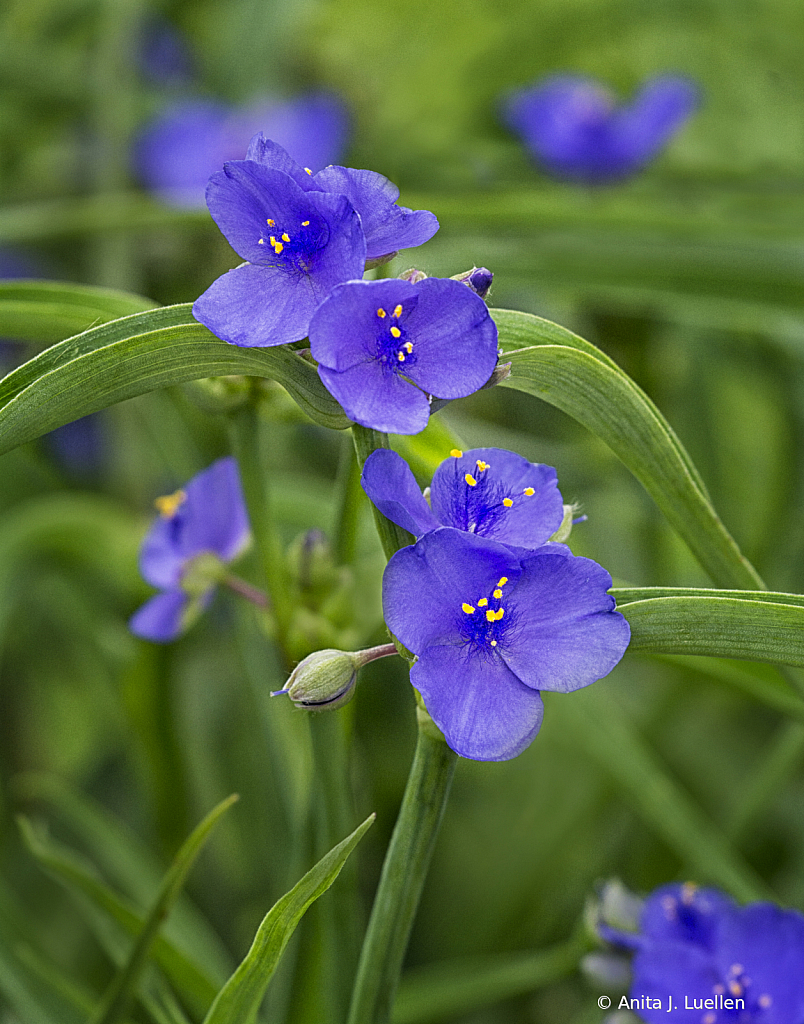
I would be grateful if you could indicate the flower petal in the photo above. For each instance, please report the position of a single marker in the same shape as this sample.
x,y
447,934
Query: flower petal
x,y
684,913
213,515
381,401
391,486
160,619
567,631
425,585
668,973
264,150
387,227
535,507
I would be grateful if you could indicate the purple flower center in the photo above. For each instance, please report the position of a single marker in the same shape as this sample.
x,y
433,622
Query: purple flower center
x,y
483,501
484,622
395,352
735,988
293,248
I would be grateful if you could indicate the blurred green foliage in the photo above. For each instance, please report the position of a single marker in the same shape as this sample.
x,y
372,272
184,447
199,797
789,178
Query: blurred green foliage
x,y
691,277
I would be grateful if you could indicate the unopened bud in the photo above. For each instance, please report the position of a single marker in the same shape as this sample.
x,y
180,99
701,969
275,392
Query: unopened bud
x,y
478,279
326,679
563,532
413,275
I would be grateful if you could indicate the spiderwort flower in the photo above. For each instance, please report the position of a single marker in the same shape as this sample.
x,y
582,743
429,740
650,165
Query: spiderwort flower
x,y
176,153
574,128
486,491
490,631
383,347
201,528
700,957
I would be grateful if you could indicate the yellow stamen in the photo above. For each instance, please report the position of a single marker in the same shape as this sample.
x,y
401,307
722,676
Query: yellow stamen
x,y
735,988
381,314
499,614
286,237
401,357
498,594
482,602
272,239
490,616
493,643
456,453
409,346
305,223
308,170
470,480
481,465
468,608
398,311
529,491
270,222
278,247
396,332
507,502
502,581
166,505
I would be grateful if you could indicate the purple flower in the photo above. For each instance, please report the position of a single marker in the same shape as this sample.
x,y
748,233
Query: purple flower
x,y
713,961
490,631
384,347
574,128
202,527
490,492
175,155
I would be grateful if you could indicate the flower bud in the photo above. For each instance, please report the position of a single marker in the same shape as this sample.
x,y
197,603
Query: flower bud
x,y
323,681
563,532
413,275
478,279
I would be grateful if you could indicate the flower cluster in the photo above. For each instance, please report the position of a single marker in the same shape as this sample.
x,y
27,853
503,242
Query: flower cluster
x,y
201,528
493,610
700,957
573,127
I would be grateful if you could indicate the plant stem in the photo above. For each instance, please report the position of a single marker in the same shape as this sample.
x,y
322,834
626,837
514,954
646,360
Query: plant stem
x,y
246,590
350,495
402,879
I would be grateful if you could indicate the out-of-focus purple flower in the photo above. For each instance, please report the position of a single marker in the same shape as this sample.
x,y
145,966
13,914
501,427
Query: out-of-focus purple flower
x,y
176,154
699,957
79,447
490,631
574,128
489,492
383,347
164,56
201,529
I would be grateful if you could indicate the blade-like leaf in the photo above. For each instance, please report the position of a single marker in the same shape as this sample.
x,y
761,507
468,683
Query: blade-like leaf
x,y
138,354
240,998
571,374
47,311
114,1003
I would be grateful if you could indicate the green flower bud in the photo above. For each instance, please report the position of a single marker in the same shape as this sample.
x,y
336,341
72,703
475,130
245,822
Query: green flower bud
x,y
413,275
563,532
326,679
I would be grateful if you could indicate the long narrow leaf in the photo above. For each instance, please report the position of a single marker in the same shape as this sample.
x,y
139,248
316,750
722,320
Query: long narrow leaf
x,y
240,998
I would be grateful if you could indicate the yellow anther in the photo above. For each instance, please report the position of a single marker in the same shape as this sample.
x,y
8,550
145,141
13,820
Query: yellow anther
x,y
305,223
499,613
490,616
270,222
735,988
468,608
502,581
381,314
286,237
278,248
272,239
396,332
529,491
166,505
456,453
409,346
308,170
482,602
493,643
507,502
398,311
498,594
482,466
688,890
401,357
765,1001
470,480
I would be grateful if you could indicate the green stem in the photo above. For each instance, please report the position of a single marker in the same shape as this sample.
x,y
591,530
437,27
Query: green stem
x,y
350,496
245,428
402,879
392,537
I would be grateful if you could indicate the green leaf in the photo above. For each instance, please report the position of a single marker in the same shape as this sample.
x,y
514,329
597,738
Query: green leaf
x,y
138,354
46,311
240,998
723,624
71,870
118,996
562,369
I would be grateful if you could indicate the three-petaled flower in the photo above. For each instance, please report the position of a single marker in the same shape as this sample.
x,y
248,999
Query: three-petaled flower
x,y
486,491
201,529
301,235
696,950
385,347
573,127
490,630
